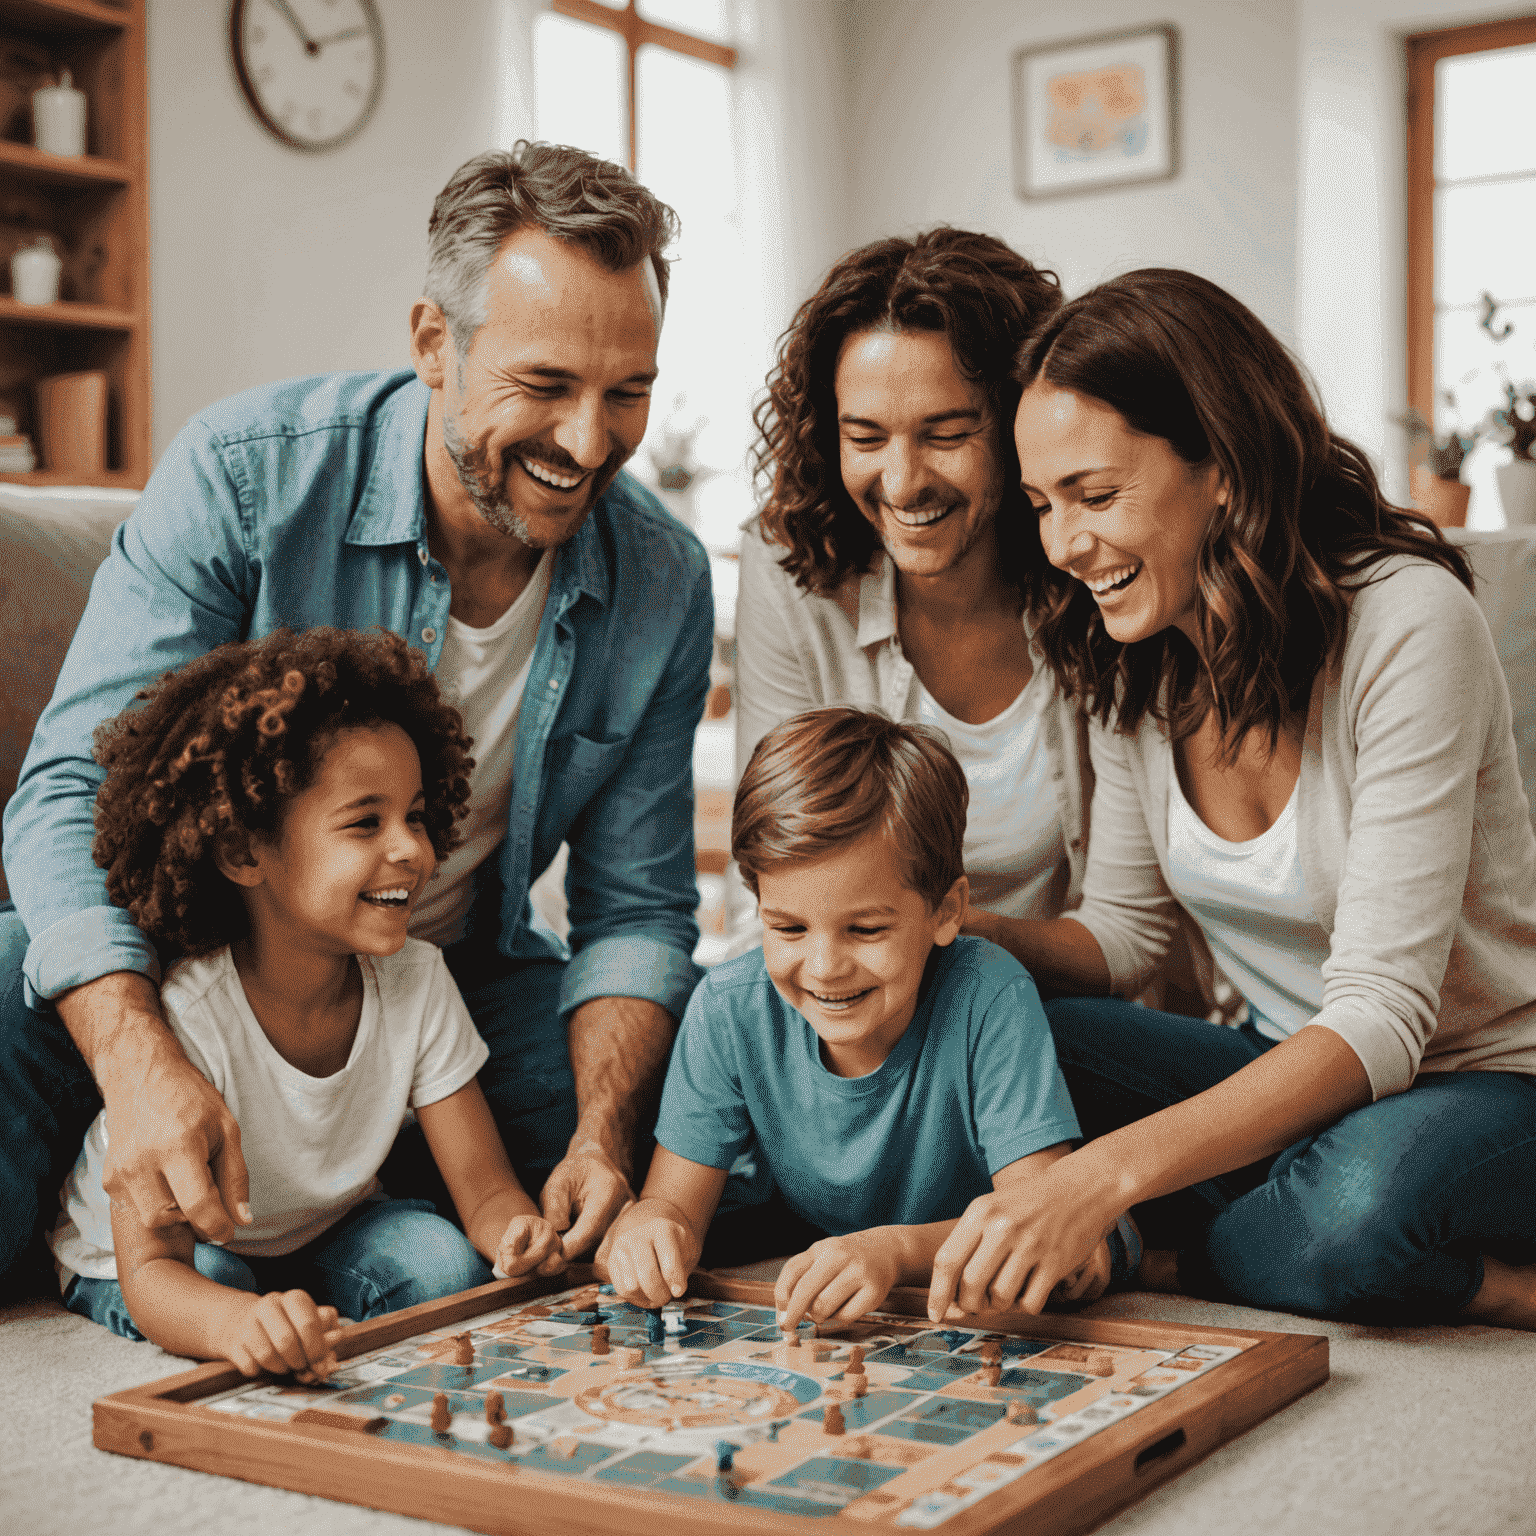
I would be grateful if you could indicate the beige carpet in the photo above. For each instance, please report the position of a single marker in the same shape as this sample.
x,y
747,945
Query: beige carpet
x,y
1419,1431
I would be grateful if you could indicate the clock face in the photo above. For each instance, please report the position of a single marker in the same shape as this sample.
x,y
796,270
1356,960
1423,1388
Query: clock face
x,y
312,69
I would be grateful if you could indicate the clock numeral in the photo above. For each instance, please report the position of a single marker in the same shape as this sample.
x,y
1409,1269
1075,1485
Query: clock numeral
x,y
351,87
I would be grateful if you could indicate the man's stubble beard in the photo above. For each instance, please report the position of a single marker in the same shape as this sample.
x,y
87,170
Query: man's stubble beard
x,y
488,493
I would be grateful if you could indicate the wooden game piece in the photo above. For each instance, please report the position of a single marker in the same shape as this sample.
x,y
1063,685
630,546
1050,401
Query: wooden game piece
x,y
857,1384
832,1421
725,1452
855,1361
820,1352
1099,1363
463,1349
500,1436
630,1359
441,1418
495,1408
1019,1412
600,1335
674,1321
991,1350
859,1450
994,1374
655,1329
563,1447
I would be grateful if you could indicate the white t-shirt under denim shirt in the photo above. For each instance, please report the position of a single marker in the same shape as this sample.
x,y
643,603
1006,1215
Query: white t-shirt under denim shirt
x,y
483,674
1014,851
313,1145
1251,899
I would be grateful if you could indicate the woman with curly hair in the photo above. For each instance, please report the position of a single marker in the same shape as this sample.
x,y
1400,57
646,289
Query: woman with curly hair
x,y
272,813
883,571
1302,738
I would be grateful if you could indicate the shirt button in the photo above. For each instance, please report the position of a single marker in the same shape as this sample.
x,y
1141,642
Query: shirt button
x,y
421,554
554,684
429,634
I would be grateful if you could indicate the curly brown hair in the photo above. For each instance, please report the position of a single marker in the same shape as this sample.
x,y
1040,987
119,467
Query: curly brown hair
x,y
220,747
1183,360
977,291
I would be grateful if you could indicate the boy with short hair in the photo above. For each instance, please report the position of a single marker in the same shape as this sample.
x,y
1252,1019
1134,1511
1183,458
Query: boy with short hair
x,y
886,1070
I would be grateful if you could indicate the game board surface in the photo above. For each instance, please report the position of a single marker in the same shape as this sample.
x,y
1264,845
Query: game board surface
x,y
724,1409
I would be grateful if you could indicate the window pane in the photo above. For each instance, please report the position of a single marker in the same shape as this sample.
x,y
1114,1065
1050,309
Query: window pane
x,y
579,86
1483,113
704,18
1485,239
685,142
1470,362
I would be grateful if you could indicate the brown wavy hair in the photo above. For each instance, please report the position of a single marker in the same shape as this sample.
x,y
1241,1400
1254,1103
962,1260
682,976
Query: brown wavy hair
x,y
825,778
218,749
1181,359
977,291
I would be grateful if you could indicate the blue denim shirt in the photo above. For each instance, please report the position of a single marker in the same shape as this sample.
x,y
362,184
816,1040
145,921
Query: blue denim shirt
x,y
304,503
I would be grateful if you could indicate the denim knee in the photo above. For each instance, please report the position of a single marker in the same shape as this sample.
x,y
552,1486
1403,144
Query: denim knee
x,y
399,1260
102,1301
224,1268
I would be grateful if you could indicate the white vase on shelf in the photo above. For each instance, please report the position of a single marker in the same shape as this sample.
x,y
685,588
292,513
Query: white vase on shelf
x,y
1517,491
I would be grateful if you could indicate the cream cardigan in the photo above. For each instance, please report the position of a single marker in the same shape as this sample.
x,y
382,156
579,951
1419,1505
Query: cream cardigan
x,y
797,651
1416,841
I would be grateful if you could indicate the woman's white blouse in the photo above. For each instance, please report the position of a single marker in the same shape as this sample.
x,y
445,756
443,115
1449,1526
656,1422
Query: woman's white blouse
x,y
1250,899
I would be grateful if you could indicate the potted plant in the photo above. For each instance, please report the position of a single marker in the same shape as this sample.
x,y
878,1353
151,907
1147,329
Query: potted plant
x,y
1434,475
1514,425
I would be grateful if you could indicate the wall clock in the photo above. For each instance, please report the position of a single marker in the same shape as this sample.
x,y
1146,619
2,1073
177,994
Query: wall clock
x,y
312,70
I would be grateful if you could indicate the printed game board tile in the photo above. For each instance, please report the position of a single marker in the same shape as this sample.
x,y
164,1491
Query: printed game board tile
x,y
442,1378
1042,1386
587,1454
861,1412
838,1472
389,1395
931,1434
644,1467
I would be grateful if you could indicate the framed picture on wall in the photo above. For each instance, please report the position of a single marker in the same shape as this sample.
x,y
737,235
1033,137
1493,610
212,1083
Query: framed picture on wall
x,y
1096,112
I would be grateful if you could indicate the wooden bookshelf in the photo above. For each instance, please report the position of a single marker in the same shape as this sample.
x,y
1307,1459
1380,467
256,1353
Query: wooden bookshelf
x,y
95,206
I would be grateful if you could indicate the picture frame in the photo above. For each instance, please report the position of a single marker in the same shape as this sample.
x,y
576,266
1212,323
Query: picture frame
x,y
520,1491
1094,113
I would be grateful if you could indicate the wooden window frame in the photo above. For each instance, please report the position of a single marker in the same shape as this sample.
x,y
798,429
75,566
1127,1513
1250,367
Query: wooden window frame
x,y
636,32
1425,50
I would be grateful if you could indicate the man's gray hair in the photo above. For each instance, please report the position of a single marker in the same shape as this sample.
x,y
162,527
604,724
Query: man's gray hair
x,y
566,192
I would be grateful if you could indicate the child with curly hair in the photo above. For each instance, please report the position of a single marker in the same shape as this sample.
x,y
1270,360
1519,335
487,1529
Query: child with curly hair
x,y
271,813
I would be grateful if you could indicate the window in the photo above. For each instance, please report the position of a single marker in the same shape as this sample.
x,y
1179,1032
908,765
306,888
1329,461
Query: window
x,y
649,83
1471,228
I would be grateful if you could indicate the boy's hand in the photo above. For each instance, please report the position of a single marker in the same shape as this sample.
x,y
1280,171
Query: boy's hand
x,y
529,1244
838,1277
284,1331
650,1255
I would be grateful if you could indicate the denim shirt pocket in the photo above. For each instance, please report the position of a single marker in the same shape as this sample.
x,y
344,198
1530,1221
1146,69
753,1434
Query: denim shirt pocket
x,y
580,766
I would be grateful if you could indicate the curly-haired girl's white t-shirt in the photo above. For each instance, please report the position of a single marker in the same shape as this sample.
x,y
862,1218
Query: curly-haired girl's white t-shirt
x,y
313,1145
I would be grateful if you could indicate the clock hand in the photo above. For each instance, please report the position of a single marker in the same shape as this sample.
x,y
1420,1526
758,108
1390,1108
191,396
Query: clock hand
x,y
341,37
310,45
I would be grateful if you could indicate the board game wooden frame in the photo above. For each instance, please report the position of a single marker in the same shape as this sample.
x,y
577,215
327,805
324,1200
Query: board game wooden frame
x,y
1079,1489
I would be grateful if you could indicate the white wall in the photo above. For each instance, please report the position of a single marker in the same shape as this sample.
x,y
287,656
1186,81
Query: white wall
x,y
930,140
265,262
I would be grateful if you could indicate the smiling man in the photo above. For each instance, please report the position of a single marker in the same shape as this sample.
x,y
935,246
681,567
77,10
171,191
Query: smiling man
x,y
474,505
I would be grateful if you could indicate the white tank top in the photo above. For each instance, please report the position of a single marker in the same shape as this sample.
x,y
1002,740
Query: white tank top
x,y
1250,899
1015,855
483,673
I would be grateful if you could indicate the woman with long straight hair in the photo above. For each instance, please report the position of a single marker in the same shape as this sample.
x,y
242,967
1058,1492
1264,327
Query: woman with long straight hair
x,y
1302,738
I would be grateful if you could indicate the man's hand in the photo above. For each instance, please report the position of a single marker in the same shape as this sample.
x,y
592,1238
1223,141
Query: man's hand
x,y
838,1278
529,1244
582,1196
173,1148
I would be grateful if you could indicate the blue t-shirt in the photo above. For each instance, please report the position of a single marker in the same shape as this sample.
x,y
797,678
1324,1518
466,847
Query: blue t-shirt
x,y
970,1087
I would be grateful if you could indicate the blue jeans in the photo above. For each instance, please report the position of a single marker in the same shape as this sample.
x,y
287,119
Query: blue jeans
x,y
1384,1217
381,1257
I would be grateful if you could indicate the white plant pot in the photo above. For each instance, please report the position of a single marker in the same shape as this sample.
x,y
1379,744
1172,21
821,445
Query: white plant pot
x,y
1517,491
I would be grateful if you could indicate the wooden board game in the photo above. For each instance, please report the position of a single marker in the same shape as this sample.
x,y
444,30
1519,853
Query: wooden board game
x,y
548,1406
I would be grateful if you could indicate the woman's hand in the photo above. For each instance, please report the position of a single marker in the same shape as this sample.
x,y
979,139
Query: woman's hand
x,y
530,1244
649,1253
280,1332
1014,1247
838,1278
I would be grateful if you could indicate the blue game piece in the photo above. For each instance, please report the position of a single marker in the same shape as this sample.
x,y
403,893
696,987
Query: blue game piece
x,y
725,1451
606,1290
953,1339
774,1428
655,1329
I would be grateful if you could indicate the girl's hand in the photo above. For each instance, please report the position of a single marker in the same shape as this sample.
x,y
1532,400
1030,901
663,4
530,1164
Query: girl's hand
x,y
530,1244
838,1278
650,1255
284,1331
1012,1248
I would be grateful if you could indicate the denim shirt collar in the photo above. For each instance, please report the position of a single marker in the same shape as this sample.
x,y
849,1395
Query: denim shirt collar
x,y
392,508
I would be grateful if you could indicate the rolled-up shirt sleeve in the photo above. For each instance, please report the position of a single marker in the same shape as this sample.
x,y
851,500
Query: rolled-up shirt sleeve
x,y
169,590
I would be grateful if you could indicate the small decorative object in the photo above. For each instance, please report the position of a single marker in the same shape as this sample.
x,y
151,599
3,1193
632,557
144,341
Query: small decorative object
x,y
1096,112
675,459
16,456
310,91
1434,474
1514,425
35,270
72,422
58,118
